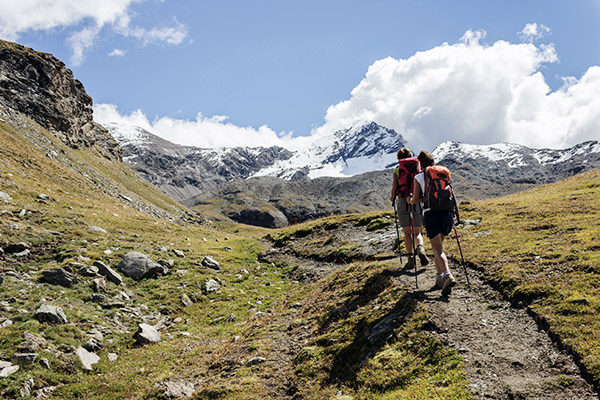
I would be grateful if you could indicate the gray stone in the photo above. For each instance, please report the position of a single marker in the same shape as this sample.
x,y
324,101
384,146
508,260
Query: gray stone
x,y
6,323
87,358
46,392
209,262
87,271
8,371
178,253
108,272
185,299
93,345
28,386
24,358
97,229
255,361
59,276
45,363
97,298
5,196
139,266
99,285
147,334
4,364
176,389
384,328
212,285
113,357
52,314
43,196
16,248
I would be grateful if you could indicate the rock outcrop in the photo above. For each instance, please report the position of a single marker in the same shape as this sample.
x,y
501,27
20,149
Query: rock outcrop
x,y
40,86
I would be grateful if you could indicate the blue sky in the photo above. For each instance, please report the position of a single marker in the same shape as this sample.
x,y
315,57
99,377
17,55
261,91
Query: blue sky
x,y
229,72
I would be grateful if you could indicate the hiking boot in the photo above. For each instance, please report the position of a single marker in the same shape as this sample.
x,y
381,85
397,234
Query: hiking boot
x,y
422,256
448,282
438,281
410,264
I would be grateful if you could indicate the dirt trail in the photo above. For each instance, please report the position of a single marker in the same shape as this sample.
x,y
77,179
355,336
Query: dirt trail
x,y
506,355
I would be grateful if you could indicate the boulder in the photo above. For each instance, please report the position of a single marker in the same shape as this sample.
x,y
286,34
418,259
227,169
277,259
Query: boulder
x,y
108,272
209,262
139,266
87,358
16,248
212,285
8,371
24,358
59,276
147,334
176,389
256,216
52,314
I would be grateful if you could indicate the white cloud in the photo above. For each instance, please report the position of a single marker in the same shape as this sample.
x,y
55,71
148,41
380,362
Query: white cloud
x,y
474,93
205,132
117,53
85,18
533,31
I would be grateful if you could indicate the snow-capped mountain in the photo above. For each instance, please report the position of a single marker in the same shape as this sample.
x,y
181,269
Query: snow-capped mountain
x,y
186,171
348,152
507,163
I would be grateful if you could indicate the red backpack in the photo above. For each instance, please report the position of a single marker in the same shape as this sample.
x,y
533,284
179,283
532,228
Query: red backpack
x,y
438,193
407,169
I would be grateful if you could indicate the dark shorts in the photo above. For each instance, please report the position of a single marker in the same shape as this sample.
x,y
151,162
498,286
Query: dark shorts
x,y
403,209
437,222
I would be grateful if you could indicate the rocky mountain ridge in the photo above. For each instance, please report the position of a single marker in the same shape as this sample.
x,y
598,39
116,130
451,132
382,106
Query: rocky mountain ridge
x,y
41,87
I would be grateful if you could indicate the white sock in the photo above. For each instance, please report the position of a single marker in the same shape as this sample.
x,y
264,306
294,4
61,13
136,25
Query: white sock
x,y
446,273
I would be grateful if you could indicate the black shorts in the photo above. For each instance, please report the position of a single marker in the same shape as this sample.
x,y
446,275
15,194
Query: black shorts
x,y
437,222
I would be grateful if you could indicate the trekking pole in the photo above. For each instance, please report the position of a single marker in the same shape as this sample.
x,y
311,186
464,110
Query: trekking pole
x,y
397,230
458,241
412,237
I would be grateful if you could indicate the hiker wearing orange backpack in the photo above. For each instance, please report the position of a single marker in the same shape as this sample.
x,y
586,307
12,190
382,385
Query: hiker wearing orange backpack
x,y
409,215
432,186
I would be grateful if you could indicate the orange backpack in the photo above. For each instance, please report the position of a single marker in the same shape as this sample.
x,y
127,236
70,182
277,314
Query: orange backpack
x,y
438,193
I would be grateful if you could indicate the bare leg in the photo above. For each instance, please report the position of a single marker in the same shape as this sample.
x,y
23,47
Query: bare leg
x,y
441,262
408,239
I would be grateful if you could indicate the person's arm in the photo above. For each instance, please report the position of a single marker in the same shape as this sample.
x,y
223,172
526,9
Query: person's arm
x,y
416,196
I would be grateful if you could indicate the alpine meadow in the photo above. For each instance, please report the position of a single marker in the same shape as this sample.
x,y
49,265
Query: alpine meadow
x,y
135,268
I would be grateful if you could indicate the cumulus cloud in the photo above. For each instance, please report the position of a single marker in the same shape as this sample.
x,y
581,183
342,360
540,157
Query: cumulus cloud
x,y
533,32
85,18
475,93
205,132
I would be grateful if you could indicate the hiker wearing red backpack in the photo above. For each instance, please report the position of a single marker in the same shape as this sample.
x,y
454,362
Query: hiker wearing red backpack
x,y
409,215
432,186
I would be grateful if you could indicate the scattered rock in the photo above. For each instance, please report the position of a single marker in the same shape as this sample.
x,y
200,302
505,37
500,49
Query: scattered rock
x,y
99,285
83,270
27,388
147,334
112,357
93,345
16,248
231,318
185,299
24,358
44,393
97,298
59,276
87,358
97,229
43,196
108,272
52,314
255,361
5,196
384,329
212,285
45,363
6,323
485,233
179,253
8,371
139,266
209,262
176,389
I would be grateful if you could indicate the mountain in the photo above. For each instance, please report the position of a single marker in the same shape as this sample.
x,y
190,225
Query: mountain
x,y
272,187
491,170
348,152
184,171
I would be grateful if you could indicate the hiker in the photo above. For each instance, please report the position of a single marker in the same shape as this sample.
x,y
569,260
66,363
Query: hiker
x,y
438,217
401,187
